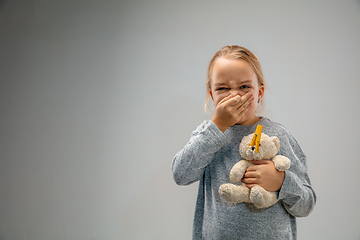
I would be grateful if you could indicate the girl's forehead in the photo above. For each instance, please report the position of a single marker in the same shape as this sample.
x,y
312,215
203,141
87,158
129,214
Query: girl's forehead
x,y
226,69
227,66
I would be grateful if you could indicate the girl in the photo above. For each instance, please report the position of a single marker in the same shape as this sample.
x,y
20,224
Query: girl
x,y
236,85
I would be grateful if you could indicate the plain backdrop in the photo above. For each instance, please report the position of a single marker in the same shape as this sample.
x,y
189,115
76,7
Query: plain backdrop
x,y
97,97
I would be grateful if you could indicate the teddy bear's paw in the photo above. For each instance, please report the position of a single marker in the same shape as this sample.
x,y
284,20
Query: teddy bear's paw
x,y
234,193
257,197
281,163
262,198
281,167
236,176
238,170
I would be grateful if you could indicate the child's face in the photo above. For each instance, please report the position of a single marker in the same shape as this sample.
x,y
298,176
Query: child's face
x,y
235,77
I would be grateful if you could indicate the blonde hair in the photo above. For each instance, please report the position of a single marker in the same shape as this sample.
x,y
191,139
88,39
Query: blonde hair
x,y
235,52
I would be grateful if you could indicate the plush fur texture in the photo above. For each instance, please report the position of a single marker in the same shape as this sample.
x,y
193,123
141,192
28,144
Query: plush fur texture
x,y
237,193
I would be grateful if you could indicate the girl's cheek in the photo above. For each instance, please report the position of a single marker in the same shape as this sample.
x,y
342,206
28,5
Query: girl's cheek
x,y
217,99
254,102
222,95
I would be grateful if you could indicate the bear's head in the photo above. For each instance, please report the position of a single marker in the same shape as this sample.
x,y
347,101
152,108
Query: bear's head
x,y
268,148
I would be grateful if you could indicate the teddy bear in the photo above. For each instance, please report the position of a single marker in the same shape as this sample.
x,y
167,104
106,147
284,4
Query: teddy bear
x,y
254,147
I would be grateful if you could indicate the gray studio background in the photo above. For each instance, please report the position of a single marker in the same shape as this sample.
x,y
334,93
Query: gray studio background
x,y
96,97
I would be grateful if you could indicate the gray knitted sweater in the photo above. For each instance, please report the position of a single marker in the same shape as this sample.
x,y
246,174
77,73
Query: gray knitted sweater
x,y
208,158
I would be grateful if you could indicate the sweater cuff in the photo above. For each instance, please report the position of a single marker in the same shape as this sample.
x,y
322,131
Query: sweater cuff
x,y
215,136
291,186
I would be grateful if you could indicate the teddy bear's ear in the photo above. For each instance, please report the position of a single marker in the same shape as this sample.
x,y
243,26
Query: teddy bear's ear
x,y
276,142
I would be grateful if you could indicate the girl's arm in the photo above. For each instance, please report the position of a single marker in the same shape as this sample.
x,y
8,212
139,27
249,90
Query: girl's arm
x,y
296,192
297,195
189,164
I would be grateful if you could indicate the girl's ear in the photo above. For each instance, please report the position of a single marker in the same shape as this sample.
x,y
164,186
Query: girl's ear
x,y
261,92
211,95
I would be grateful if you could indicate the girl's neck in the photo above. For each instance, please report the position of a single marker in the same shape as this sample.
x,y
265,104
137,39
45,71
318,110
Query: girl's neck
x,y
251,121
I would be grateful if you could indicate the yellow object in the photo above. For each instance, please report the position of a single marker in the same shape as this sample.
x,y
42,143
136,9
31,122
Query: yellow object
x,y
256,139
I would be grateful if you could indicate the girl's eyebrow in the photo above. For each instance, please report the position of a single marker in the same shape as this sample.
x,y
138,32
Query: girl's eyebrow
x,y
219,84
245,81
241,82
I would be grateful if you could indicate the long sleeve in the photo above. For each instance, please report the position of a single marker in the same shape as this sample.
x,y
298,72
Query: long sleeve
x,y
209,156
189,163
296,193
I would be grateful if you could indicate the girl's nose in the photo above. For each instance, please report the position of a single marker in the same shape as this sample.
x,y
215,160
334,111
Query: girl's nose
x,y
236,92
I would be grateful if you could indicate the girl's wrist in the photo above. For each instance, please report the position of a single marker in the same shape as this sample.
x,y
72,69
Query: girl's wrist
x,y
219,126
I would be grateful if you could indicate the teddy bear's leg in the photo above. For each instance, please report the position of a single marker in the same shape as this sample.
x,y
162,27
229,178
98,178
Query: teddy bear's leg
x,y
262,198
238,170
234,193
282,163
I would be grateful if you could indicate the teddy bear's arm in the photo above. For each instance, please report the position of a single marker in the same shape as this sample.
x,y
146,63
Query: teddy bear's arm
x,y
282,163
238,170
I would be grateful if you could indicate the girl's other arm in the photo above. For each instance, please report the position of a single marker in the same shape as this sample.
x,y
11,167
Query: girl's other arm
x,y
189,163
296,192
297,195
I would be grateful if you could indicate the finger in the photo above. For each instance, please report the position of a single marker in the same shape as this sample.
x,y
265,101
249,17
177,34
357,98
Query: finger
x,y
252,168
237,100
250,181
243,108
224,99
230,100
234,100
244,102
251,174
247,97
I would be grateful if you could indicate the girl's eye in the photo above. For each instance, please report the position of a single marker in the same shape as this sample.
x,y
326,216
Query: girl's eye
x,y
244,86
222,89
